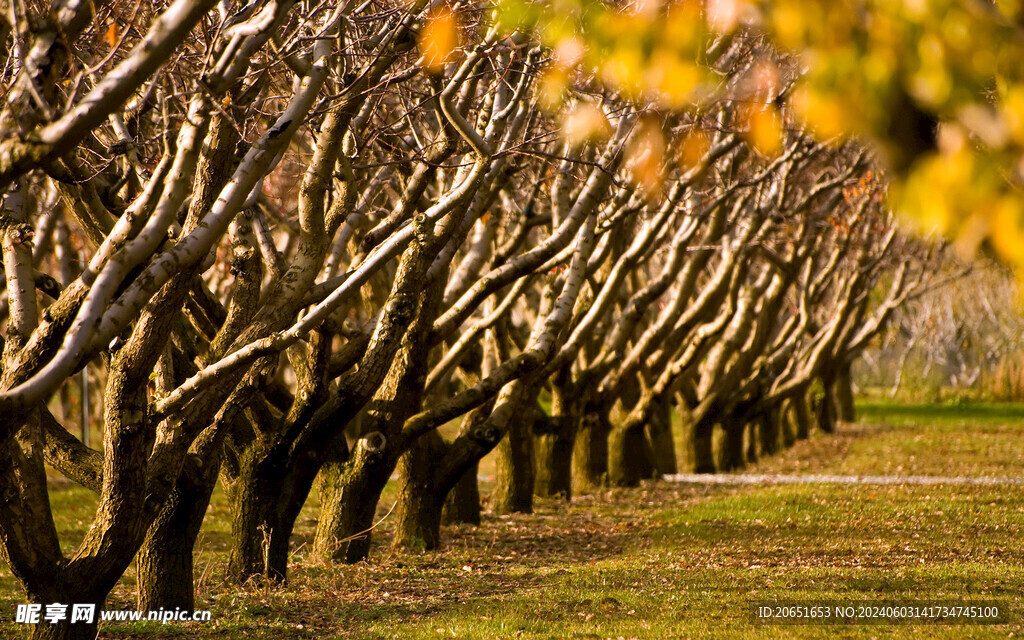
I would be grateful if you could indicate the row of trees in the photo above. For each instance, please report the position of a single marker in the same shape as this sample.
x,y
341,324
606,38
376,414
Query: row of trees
x,y
297,240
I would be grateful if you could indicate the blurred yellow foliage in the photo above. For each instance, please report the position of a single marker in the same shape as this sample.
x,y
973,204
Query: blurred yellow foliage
x,y
764,129
438,39
825,114
903,73
672,80
646,156
585,122
694,145
724,15
552,88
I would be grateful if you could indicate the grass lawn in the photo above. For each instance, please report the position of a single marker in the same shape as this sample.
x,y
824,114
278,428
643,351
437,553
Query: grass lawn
x,y
662,561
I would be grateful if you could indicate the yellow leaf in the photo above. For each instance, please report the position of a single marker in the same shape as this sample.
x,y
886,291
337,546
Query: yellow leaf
x,y
1013,113
569,52
789,20
692,148
623,69
553,85
645,157
438,39
764,131
585,122
824,113
724,15
674,79
1007,224
113,35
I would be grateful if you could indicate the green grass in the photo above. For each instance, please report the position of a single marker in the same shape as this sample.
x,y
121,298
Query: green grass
x,y
662,561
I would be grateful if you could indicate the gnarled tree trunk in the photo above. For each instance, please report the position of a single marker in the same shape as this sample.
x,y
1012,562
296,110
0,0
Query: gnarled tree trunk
x,y
349,492
420,503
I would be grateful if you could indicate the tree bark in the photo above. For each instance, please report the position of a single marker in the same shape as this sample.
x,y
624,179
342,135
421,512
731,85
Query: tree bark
x,y
419,507
349,493
732,457
826,409
661,440
845,407
65,630
753,435
769,427
259,547
462,506
513,490
629,456
590,453
787,423
552,466
554,437
703,447
801,417
165,560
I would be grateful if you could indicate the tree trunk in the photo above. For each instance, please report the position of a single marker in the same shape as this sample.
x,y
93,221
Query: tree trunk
x,y
553,445
629,457
661,442
552,448
786,421
453,495
703,447
65,630
553,468
826,409
513,490
349,493
462,506
418,511
846,410
732,450
769,429
251,526
590,453
801,417
269,492
753,433
165,561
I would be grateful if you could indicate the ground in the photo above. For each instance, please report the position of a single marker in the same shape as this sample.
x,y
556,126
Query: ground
x,y
664,560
